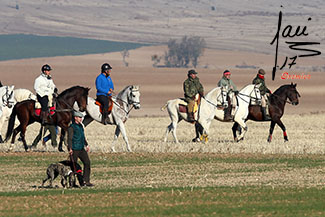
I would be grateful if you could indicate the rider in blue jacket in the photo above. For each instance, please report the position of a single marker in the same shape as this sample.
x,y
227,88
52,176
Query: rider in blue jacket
x,y
105,87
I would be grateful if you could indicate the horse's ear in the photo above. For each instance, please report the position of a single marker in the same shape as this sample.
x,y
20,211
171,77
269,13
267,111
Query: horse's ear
x,y
291,84
1,84
295,85
88,89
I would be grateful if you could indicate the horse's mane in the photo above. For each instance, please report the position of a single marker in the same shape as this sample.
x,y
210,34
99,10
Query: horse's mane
x,y
65,92
119,95
281,89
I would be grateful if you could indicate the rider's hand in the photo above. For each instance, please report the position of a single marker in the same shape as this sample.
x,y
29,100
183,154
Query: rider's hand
x,y
110,91
236,92
87,148
70,152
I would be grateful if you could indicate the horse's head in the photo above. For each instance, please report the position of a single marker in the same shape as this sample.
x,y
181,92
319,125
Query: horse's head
x,y
134,96
75,94
8,98
82,101
256,94
293,94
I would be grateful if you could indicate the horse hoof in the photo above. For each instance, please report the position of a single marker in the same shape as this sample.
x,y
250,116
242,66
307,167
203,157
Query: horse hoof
x,y
60,150
196,139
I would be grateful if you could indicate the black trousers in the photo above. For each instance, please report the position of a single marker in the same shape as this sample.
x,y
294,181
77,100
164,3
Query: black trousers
x,y
83,156
44,101
104,101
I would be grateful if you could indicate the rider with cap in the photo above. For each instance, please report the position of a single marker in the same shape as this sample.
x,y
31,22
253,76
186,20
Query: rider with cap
x,y
226,82
192,86
44,87
105,87
260,79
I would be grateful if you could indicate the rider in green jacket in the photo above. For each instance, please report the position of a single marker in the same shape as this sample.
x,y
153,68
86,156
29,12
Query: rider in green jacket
x,y
259,79
192,86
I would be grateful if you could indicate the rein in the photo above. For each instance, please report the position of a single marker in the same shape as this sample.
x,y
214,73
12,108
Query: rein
x,y
127,103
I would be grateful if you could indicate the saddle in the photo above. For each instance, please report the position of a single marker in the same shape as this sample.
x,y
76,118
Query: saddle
x,y
101,107
51,105
182,106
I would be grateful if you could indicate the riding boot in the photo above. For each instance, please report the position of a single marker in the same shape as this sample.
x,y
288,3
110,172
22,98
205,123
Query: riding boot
x,y
265,117
105,120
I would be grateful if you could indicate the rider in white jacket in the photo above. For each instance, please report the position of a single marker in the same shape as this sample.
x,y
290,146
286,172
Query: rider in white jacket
x,y
44,87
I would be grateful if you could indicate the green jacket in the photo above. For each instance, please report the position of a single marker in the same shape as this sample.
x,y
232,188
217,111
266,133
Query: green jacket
x,y
76,137
192,87
227,82
263,88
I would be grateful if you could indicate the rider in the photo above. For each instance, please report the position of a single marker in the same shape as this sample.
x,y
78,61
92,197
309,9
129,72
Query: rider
x,y
44,87
226,82
192,86
259,79
105,87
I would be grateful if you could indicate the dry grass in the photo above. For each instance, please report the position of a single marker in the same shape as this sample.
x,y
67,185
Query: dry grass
x,y
305,132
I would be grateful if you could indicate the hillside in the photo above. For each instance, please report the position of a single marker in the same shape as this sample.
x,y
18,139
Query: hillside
x,y
245,25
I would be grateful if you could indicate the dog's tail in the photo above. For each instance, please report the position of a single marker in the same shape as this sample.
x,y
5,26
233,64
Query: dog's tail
x,y
11,123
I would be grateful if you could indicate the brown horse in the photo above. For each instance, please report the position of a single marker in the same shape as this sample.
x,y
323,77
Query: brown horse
x,y
277,102
25,111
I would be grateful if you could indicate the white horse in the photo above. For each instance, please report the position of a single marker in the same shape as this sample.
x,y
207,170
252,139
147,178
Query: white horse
x,y
24,94
214,100
7,101
124,102
249,94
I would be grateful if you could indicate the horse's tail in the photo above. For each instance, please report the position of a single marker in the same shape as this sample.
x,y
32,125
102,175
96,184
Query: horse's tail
x,y
11,124
164,107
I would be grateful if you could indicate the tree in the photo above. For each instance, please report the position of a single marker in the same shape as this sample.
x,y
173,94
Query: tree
x,y
125,53
187,51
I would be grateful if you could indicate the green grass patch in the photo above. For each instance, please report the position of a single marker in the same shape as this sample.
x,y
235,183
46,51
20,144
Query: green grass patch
x,y
20,46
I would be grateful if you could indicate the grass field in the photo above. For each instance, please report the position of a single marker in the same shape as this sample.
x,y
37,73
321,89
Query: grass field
x,y
178,184
220,178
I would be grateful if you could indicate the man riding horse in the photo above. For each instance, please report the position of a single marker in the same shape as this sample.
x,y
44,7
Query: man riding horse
x,y
44,87
259,79
192,86
105,87
226,82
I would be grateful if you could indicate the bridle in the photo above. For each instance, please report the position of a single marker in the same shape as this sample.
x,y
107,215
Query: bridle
x,y
7,102
129,102
256,98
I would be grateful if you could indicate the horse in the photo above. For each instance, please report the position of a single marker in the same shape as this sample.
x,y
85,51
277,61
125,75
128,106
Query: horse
x,y
277,102
214,100
248,94
25,111
7,101
123,103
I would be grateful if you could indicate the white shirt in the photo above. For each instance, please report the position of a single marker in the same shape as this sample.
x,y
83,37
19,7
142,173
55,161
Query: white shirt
x,y
44,86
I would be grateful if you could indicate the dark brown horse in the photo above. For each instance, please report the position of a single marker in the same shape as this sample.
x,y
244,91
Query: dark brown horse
x,y
25,111
277,102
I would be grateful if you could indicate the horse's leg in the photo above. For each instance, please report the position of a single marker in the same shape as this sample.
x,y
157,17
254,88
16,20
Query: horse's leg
x,y
61,140
272,125
205,130
198,132
123,131
116,135
168,129
2,120
279,122
22,130
244,128
234,130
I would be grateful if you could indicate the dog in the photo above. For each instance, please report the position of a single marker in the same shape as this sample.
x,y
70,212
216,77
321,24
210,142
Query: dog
x,y
56,169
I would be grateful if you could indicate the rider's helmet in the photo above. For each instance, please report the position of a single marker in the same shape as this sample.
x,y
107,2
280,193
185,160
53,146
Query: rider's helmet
x,y
46,67
261,72
106,67
192,71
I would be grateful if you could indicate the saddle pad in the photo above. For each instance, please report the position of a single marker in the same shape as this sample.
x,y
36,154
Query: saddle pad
x,y
101,107
38,111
